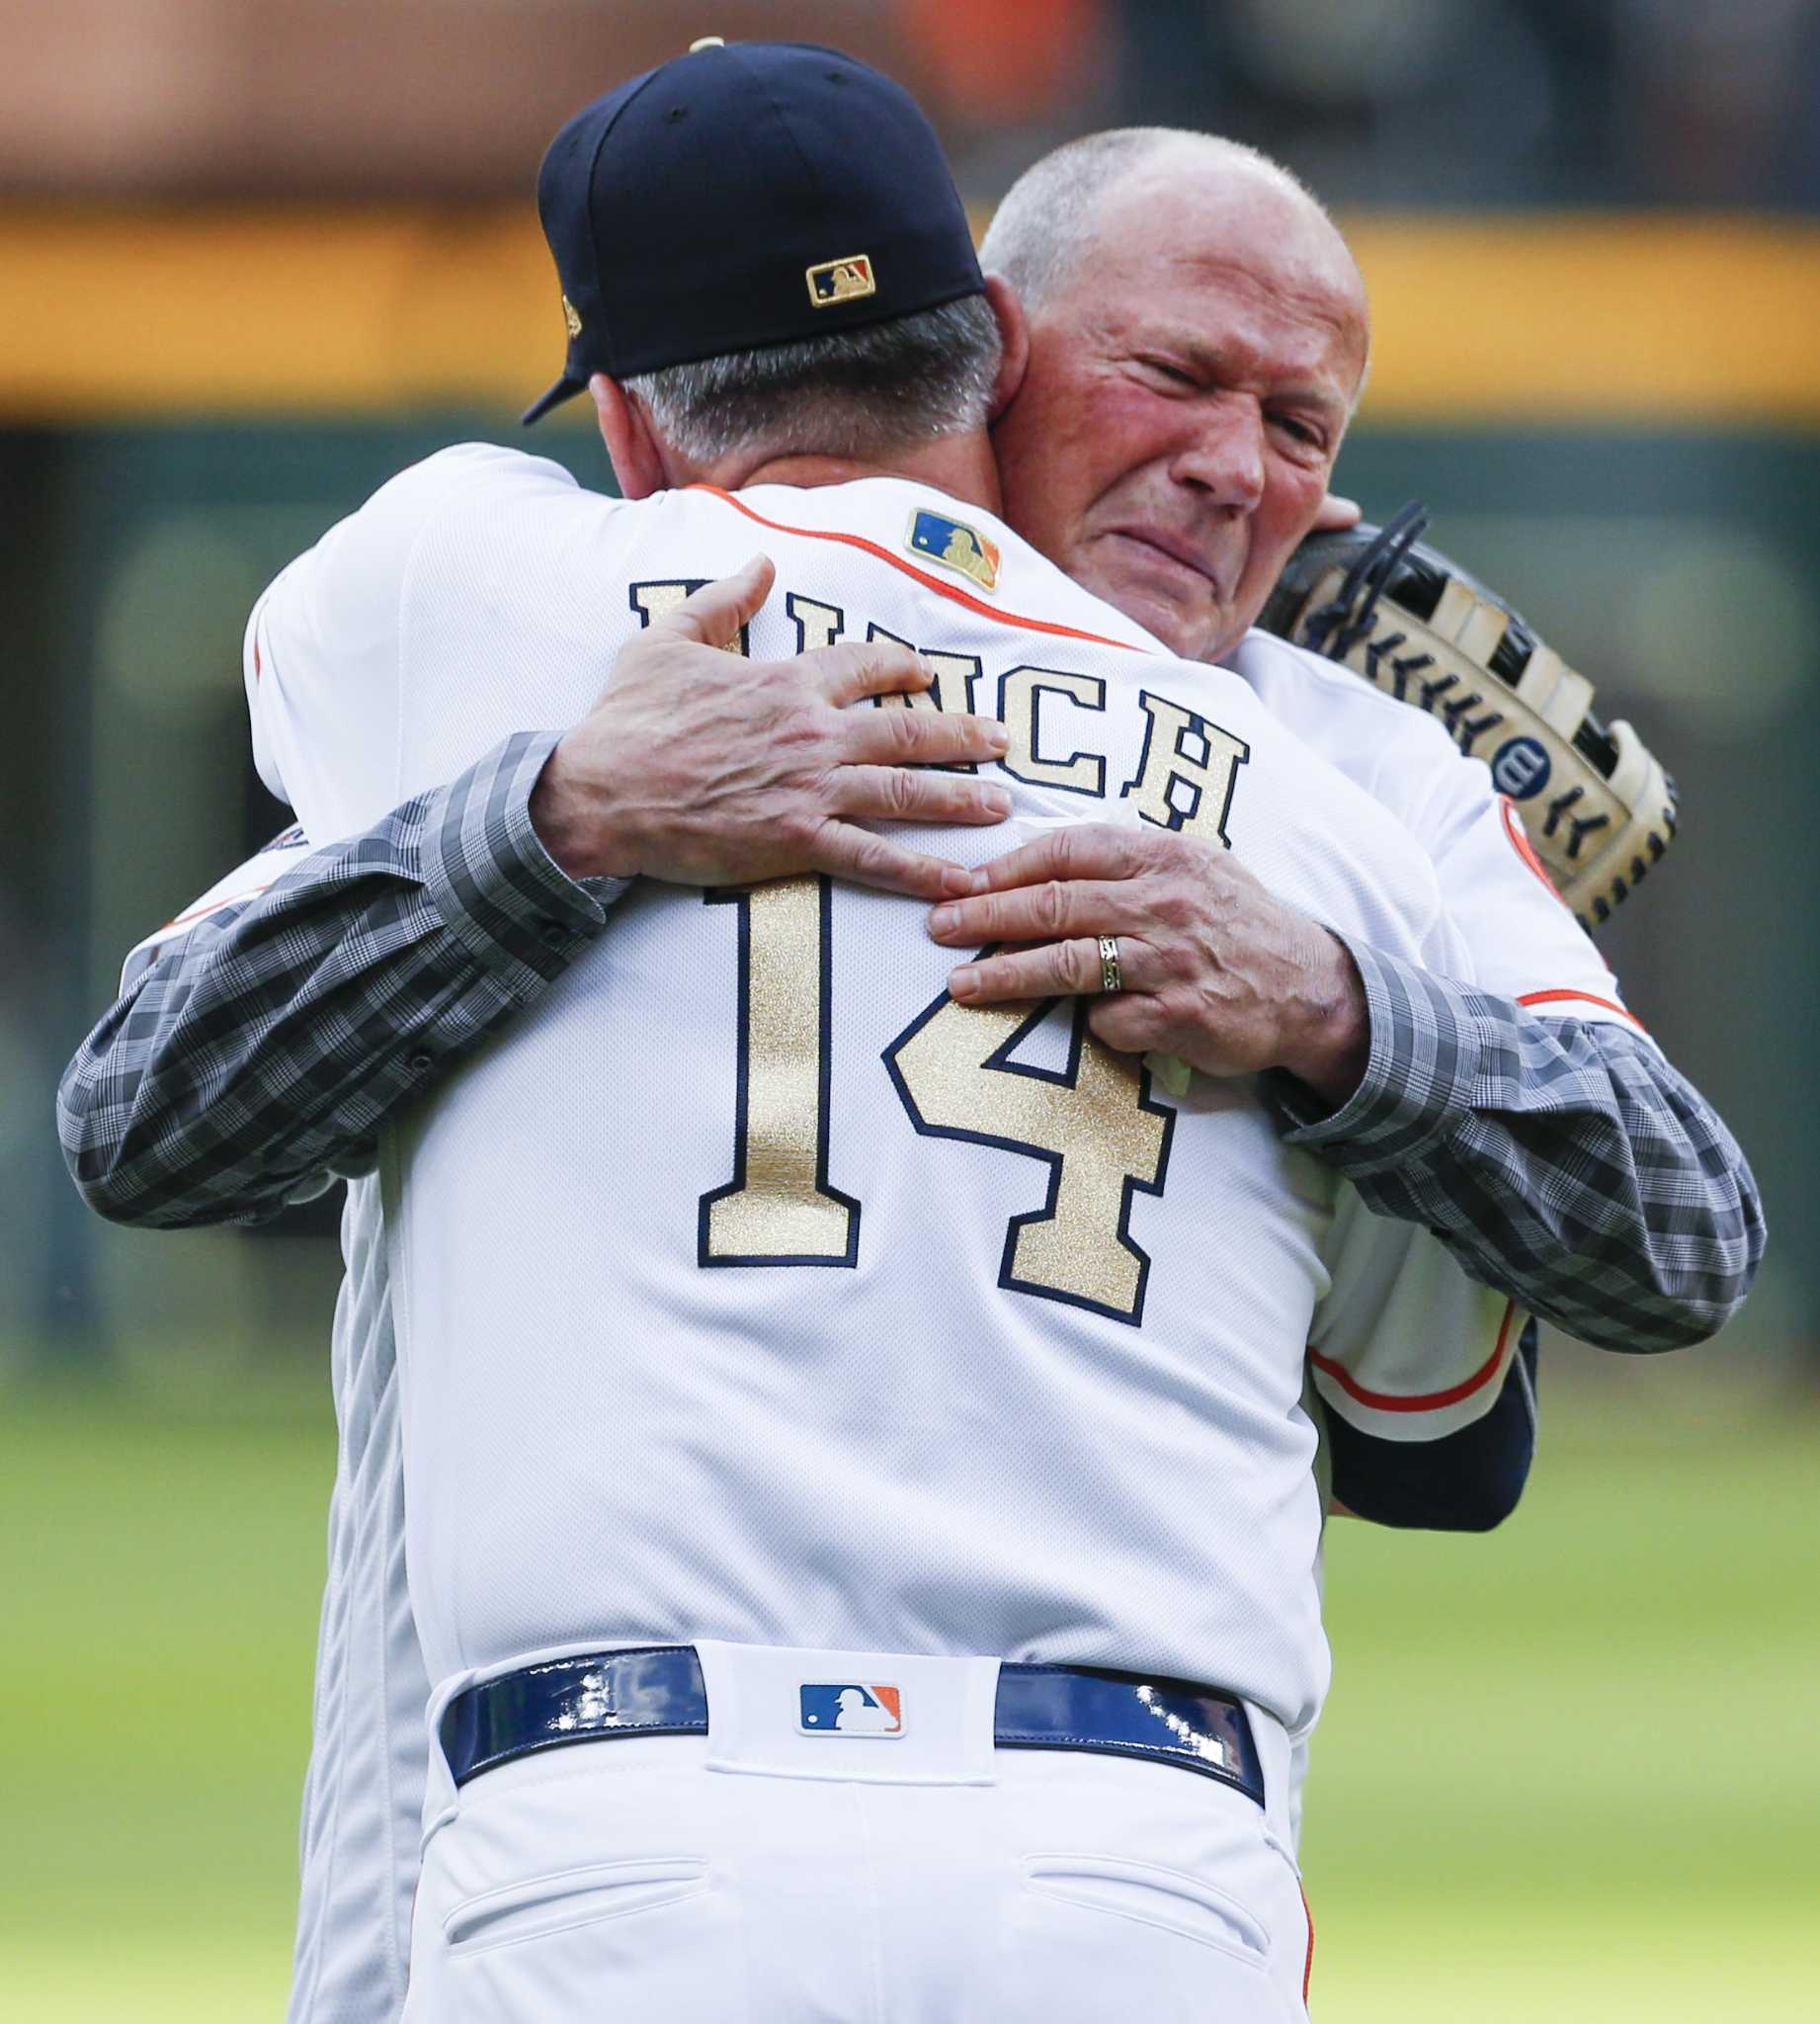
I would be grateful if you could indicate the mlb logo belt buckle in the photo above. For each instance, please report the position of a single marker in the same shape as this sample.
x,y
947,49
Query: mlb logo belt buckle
x,y
849,1707
659,1690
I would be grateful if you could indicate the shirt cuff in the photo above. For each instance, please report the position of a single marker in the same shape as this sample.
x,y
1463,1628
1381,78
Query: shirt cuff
x,y
495,887
1427,1049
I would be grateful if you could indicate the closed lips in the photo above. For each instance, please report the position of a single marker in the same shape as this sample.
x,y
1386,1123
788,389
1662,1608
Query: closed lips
x,y
1173,549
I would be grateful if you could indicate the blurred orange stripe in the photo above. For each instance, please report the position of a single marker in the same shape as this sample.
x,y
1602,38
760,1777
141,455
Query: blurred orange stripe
x,y
279,312
1614,319
1607,317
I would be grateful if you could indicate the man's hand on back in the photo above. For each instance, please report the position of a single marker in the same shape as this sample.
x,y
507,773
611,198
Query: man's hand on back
x,y
1217,972
702,768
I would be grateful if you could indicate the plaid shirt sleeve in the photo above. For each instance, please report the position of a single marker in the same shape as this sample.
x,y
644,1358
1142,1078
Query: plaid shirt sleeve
x,y
259,1055
1564,1160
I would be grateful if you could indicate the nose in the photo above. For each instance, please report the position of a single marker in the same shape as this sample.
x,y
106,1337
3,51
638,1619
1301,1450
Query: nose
x,y
1226,457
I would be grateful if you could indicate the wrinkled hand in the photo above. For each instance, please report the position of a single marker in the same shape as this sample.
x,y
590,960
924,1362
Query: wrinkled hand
x,y
705,769
1217,970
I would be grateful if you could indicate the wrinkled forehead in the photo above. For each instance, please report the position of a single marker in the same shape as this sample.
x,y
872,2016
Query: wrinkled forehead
x,y
1229,205
1221,246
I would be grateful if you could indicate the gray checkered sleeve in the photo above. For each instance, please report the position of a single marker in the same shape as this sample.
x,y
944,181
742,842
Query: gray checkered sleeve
x,y
258,1053
1564,1160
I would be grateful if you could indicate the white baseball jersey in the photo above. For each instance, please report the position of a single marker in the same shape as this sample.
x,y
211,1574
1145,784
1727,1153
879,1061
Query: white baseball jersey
x,y
367,1775
750,1289
1525,943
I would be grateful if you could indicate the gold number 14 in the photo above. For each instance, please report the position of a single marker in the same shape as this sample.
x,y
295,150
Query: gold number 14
x,y
1092,1123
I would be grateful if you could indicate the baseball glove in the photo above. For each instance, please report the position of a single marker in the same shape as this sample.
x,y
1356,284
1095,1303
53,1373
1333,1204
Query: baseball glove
x,y
1598,807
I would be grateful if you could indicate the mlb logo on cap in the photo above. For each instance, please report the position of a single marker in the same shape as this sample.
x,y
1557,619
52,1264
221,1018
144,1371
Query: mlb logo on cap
x,y
841,280
849,1707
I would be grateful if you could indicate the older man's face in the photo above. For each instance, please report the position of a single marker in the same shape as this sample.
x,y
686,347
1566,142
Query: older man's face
x,y
1185,400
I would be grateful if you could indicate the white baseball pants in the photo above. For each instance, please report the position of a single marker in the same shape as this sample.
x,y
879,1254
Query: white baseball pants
x,y
762,1875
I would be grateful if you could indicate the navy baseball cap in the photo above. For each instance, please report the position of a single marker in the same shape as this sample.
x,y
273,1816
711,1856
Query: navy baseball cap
x,y
742,196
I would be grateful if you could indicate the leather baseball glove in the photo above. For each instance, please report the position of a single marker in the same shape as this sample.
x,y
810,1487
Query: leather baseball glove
x,y
1597,805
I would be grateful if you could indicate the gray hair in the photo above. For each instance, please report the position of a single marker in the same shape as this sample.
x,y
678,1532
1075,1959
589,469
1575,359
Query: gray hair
x,y
1046,226
851,393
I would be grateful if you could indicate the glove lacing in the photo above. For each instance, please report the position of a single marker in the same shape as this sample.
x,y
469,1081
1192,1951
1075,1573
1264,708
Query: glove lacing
x,y
1348,620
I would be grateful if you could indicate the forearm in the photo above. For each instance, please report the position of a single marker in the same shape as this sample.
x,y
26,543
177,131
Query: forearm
x,y
1564,1160
267,1049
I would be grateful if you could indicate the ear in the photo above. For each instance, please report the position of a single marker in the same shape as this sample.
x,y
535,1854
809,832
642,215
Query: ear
x,y
625,428
1013,338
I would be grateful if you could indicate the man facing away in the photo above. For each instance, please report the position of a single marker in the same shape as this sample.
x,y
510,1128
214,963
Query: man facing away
x,y
771,1320
1082,189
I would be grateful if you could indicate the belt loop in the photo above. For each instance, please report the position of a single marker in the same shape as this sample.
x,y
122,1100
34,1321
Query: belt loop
x,y
1276,1758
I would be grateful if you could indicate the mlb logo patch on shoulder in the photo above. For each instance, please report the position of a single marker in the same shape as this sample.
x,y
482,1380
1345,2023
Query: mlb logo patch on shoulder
x,y
955,546
849,1707
841,280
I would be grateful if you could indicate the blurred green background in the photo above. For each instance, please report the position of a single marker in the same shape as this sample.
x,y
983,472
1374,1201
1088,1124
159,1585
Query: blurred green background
x,y
254,254
1570,1770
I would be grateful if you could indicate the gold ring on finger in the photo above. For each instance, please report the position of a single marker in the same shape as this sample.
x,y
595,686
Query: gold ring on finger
x,y
1111,977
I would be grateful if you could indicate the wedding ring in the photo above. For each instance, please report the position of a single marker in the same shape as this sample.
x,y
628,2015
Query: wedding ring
x,y
1111,977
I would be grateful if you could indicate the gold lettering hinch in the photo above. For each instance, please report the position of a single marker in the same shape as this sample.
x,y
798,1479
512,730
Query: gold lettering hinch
x,y
1021,692
956,676
1178,786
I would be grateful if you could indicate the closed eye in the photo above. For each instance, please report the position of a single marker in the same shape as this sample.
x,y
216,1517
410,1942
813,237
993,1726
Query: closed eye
x,y
1177,375
1302,430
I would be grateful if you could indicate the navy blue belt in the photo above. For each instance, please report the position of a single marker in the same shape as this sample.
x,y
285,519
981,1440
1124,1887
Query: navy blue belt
x,y
657,1690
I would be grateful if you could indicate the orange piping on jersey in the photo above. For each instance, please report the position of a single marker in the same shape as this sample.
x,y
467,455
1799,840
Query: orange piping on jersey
x,y
1428,1401
1525,849
1585,998
198,913
947,590
1308,1959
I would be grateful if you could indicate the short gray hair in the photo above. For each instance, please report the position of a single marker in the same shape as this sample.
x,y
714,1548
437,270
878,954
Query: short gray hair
x,y
1045,225
851,393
